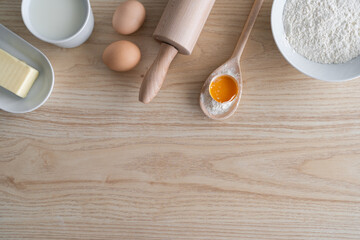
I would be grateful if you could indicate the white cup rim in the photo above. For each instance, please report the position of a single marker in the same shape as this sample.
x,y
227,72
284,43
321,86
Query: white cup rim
x,y
25,14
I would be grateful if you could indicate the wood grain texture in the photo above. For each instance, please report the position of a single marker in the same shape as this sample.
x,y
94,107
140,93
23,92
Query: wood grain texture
x,y
94,163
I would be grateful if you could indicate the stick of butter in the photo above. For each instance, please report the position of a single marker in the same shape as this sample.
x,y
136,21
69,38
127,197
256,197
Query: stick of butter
x,y
15,75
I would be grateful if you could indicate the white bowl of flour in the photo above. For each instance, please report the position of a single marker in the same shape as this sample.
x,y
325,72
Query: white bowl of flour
x,y
320,38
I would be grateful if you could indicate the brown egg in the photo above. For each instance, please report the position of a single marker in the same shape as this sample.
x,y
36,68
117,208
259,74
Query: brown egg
x,y
128,17
121,56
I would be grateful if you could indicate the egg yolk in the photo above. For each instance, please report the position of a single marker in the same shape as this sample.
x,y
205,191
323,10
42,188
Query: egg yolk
x,y
223,89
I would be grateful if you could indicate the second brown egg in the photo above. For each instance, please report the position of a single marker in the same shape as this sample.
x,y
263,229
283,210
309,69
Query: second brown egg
x,y
121,56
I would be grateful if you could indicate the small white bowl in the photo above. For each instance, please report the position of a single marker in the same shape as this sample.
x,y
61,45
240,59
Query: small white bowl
x,y
71,42
325,72
43,85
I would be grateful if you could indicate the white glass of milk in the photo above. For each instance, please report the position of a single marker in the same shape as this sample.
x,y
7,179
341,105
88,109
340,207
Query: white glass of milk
x,y
64,23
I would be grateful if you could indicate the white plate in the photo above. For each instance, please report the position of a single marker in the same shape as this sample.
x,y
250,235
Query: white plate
x,y
42,88
326,72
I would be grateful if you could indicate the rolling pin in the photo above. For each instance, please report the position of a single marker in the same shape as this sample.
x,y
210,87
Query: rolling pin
x,y
178,31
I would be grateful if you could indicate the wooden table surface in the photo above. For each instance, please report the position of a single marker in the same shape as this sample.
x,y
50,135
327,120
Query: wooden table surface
x,y
94,163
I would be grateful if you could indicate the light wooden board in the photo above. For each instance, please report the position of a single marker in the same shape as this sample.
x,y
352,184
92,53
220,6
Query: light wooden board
x,y
94,163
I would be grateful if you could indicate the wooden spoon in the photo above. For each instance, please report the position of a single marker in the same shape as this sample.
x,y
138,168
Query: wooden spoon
x,y
232,68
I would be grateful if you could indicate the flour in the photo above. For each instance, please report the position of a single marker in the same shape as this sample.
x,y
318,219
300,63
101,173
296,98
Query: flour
x,y
212,106
323,31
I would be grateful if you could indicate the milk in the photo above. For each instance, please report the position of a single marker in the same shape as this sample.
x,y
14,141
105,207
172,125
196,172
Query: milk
x,y
57,19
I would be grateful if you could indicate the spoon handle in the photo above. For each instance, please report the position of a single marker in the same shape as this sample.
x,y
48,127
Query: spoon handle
x,y
250,22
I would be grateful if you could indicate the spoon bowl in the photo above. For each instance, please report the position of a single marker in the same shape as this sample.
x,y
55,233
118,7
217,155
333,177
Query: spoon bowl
x,y
230,68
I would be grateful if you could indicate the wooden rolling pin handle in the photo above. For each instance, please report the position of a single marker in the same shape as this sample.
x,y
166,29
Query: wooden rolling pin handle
x,y
155,76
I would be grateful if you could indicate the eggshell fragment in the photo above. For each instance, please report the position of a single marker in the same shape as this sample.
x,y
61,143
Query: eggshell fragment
x,y
128,17
121,56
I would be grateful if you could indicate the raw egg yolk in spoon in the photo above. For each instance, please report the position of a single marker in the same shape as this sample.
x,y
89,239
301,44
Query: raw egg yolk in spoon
x,y
223,88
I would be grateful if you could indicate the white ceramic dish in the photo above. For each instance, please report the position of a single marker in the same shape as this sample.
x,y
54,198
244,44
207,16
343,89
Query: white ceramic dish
x,y
43,85
326,72
73,41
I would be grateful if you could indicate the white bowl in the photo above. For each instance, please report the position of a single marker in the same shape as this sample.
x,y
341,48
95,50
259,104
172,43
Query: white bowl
x,y
71,42
326,72
43,85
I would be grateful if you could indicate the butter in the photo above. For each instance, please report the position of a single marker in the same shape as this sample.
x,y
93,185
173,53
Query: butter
x,y
15,75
